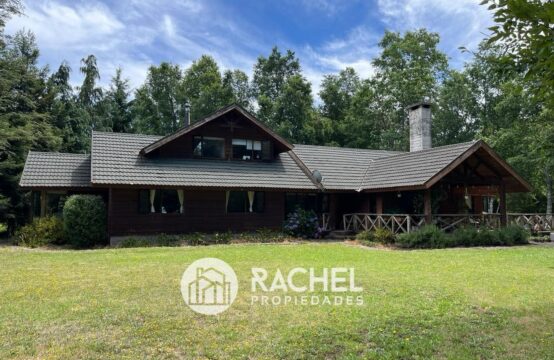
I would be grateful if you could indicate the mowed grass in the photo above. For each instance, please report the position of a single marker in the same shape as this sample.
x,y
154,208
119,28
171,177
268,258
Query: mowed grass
x,y
126,303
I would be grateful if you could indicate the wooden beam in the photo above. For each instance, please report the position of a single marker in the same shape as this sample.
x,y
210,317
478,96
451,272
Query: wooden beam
x,y
379,203
110,209
43,198
502,207
427,209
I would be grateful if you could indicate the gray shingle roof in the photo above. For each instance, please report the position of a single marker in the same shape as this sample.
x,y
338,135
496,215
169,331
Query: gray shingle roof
x,y
62,170
116,160
341,168
412,168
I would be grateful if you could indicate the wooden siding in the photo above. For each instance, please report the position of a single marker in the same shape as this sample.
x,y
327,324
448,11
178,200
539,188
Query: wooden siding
x,y
182,146
204,211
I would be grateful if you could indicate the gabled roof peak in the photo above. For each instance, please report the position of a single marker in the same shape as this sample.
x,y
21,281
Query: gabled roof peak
x,y
215,115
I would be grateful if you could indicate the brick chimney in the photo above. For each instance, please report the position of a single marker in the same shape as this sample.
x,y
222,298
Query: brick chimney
x,y
419,115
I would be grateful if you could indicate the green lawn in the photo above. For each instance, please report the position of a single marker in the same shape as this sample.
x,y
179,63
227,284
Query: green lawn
x,y
126,303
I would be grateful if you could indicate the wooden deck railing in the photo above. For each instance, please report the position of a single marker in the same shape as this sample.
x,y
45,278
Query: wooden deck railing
x,y
401,223
534,222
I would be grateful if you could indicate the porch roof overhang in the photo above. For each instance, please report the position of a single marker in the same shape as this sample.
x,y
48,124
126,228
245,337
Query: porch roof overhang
x,y
423,169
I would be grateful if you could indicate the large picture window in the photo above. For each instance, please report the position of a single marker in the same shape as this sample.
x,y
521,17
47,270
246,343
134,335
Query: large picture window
x,y
245,201
208,147
244,149
164,201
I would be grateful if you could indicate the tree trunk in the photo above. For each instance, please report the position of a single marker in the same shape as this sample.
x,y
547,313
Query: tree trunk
x,y
548,178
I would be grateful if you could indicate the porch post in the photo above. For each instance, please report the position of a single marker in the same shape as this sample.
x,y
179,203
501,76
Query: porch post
x,y
427,206
42,203
379,204
333,218
502,207
110,209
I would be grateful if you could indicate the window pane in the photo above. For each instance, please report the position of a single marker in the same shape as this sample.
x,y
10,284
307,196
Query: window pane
x,y
239,149
259,202
197,146
238,202
144,201
169,201
257,150
213,147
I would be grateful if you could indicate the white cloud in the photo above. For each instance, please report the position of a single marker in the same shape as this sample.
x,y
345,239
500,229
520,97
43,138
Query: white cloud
x,y
459,22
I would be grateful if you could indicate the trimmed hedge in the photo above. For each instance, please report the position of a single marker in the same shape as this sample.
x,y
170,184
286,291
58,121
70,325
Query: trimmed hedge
x,y
84,221
40,232
430,236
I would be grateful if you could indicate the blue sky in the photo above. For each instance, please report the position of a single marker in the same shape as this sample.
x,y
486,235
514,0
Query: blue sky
x,y
326,35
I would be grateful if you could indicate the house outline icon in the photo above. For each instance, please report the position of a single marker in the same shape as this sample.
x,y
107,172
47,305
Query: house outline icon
x,y
210,287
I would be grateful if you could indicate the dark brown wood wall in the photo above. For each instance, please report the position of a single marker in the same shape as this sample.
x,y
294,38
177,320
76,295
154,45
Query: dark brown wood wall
x,y
204,211
243,129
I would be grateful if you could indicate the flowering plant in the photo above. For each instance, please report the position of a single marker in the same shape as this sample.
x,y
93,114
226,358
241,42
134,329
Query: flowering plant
x,y
303,223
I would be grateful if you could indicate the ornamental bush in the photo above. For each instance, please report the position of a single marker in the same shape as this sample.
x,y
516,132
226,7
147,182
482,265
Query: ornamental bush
x,y
84,221
429,236
40,232
303,223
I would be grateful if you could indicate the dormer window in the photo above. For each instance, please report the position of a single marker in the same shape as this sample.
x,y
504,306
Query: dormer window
x,y
208,147
244,149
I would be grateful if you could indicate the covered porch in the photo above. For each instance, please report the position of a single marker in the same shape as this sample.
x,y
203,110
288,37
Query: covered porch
x,y
469,191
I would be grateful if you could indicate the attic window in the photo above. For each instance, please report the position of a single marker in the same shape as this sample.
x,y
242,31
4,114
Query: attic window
x,y
208,147
247,149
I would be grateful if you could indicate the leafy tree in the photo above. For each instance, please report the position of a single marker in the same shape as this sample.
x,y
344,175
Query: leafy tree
x,y
157,108
117,103
336,93
409,68
525,29
202,86
24,121
294,109
282,94
89,93
67,112
236,88
455,116
8,8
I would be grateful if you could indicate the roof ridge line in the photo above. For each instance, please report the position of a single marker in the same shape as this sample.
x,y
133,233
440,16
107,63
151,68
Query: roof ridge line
x,y
305,169
360,188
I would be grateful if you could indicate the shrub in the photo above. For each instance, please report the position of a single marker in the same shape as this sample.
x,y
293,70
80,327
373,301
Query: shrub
x,y
487,237
84,220
132,242
194,239
221,238
380,235
366,237
514,235
166,240
303,223
384,236
429,236
40,232
465,236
